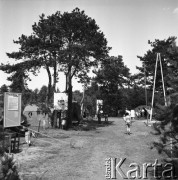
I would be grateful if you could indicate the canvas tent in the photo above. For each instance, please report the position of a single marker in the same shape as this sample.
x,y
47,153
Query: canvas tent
x,y
30,111
35,115
148,108
31,108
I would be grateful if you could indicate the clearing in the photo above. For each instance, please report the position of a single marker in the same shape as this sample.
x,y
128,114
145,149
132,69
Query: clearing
x,y
80,155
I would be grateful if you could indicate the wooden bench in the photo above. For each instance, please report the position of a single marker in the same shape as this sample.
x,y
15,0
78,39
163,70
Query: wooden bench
x,y
13,141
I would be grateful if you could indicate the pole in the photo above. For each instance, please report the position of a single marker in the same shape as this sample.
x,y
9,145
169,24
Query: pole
x,y
3,126
171,139
162,80
81,103
145,90
3,143
145,85
166,105
151,113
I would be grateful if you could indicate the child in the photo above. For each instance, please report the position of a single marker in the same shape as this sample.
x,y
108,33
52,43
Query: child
x,y
127,120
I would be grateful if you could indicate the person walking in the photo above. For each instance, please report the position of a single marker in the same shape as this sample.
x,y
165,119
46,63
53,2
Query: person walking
x,y
99,117
127,120
106,117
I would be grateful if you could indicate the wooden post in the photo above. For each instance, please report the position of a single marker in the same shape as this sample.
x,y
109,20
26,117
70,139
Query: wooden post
x,y
81,103
39,125
151,113
158,58
55,119
3,143
146,101
145,85
9,143
162,80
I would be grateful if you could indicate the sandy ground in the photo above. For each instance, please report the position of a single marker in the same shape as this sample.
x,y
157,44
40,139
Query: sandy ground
x,y
80,155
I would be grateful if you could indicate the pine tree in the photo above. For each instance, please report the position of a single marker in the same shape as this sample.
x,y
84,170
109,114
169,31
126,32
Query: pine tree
x,y
168,115
8,168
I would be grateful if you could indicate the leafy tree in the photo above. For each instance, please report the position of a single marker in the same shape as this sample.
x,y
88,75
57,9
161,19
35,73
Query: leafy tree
x,y
72,40
18,77
77,96
92,93
4,88
41,49
167,129
112,77
42,94
34,96
8,168
49,34
84,46
168,53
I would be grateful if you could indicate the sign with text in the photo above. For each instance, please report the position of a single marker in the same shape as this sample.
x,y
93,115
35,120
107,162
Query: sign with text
x,y
99,104
12,109
60,101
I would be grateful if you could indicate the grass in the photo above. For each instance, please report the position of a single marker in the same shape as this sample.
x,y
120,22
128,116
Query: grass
x,y
88,145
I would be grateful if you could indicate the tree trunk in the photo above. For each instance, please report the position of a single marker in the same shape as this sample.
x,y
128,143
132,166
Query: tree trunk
x,y
69,120
69,123
55,119
55,77
81,103
49,86
67,82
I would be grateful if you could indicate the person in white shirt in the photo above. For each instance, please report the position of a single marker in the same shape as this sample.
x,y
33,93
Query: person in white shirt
x,y
132,114
127,120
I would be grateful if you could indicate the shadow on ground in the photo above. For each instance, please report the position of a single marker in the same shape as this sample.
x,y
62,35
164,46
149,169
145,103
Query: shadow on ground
x,y
91,125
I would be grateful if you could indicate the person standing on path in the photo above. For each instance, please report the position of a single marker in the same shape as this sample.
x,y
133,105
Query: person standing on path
x,y
99,116
127,120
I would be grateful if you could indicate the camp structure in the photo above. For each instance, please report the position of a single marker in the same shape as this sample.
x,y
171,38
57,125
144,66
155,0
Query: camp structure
x,y
142,106
31,111
147,108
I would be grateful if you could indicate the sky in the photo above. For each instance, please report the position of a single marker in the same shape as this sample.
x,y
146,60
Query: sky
x,y
126,24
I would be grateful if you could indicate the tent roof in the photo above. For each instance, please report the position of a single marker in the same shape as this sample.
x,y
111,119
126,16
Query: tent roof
x,y
31,108
142,106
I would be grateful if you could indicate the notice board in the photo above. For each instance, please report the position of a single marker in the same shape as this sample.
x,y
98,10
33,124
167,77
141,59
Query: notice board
x,y
60,101
99,103
12,109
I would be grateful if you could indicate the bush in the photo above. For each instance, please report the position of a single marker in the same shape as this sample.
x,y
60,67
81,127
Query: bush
x,y
8,169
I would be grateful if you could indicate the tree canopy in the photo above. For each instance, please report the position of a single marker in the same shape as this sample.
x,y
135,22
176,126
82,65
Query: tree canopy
x,y
169,57
112,76
70,42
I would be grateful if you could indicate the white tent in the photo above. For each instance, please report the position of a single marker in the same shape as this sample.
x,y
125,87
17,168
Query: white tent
x,y
31,108
30,111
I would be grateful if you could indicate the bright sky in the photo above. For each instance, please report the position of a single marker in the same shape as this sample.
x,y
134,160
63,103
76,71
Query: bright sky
x,y
127,25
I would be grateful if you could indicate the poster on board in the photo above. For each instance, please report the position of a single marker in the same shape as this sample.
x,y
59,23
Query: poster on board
x,y
13,103
12,109
60,101
99,103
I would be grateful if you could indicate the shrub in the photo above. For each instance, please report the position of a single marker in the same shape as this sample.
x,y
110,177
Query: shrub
x,y
8,169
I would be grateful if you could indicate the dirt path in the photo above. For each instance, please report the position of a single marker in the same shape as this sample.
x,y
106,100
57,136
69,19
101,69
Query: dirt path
x,y
81,154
